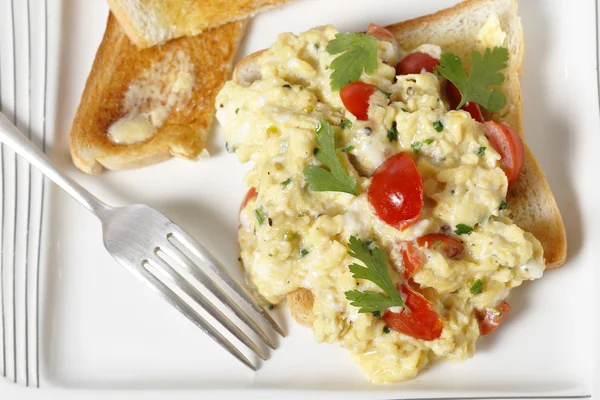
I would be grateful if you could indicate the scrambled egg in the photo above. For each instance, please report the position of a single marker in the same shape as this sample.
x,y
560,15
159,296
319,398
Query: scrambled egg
x,y
291,237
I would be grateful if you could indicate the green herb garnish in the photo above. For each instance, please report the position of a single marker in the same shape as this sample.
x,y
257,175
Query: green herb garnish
x,y
481,151
416,146
303,252
485,72
392,133
386,329
477,287
259,216
376,271
346,123
359,52
429,140
462,229
286,182
376,314
503,205
237,110
438,126
335,178
348,149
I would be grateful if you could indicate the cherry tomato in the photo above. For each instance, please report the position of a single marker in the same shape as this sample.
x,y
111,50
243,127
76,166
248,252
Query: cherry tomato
x,y
415,63
413,256
251,194
396,191
447,245
509,145
381,33
421,322
454,99
491,318
355,97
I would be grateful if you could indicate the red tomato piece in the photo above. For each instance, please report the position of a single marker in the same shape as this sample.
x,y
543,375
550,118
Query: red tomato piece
x,y
491,318
509,145
396,191
415,63
381,33
421,322
447,245
412,257
251,194
355,97
454,99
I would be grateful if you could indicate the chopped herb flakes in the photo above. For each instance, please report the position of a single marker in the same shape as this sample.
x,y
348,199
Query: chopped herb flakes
x,y
477,287
386,329
303,252
286,182
503,205
481,151
462,229
416,146
438,126
392,133
346,123
259,216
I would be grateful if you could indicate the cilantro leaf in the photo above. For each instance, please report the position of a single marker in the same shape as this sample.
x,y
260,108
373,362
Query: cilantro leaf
x,y
336,178
359,53
485,72
376,271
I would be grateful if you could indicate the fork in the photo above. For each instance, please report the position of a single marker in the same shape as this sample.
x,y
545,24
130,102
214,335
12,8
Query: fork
x,y
139,237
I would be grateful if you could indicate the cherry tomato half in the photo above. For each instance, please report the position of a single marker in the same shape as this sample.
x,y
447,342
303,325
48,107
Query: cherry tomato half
x,y
355,97
415,63
509,145
413,256
491,318
447,245
454,99
421,322
396,191
381,33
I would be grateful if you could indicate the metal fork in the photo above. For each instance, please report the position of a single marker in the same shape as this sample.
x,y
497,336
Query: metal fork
x,y
138,236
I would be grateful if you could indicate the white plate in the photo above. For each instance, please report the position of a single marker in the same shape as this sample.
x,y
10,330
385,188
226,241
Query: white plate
x,y
102,329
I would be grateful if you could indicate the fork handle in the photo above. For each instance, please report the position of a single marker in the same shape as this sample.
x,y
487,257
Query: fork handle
x,y
13,138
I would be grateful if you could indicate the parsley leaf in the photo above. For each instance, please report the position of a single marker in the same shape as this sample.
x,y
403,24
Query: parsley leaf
x,y
477,287
462,229
503,205
377,314
336,179
481,151
429,140
392,133
359,53
376,271
485,72
438,126
286,182
303,252
386,329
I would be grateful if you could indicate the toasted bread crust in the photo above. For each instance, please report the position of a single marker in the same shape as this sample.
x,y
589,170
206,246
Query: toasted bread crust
x,y
150,23
532,203
118,63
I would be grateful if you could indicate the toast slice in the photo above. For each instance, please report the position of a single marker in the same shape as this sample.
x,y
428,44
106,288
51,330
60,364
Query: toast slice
x,y
165,93
456,29
152,22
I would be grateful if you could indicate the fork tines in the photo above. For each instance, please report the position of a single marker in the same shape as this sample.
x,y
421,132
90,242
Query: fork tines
x,y
168,256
